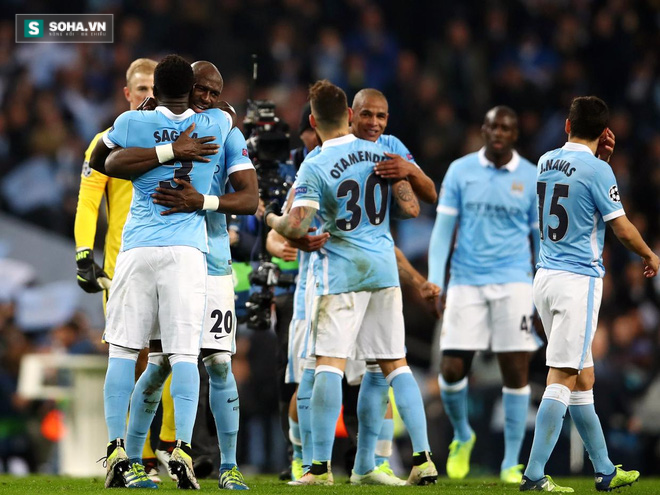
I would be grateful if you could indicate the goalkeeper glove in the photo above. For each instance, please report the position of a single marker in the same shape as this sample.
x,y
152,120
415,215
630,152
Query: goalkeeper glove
x,y
91,277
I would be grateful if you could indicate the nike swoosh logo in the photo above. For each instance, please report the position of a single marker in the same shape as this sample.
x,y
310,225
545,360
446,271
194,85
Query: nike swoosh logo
x,y
232,400
304,398
147,401
218,337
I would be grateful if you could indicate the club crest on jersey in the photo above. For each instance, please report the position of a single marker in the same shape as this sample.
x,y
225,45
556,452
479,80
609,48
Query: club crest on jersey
x,y
244,152
517,188
614,194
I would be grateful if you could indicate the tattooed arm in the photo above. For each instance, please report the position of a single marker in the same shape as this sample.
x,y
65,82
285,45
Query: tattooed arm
x,y
294,224
407,202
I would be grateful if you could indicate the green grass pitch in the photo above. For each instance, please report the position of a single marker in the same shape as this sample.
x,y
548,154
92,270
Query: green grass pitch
x,y
48,485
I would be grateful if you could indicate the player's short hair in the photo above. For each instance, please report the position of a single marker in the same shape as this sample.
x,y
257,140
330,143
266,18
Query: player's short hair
x,y
503,109
588,116
173,77
329,104
141,65
363,94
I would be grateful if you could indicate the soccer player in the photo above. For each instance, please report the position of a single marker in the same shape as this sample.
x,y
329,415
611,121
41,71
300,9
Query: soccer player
x,y
219,336
577,195
491,195
369,121
357,309
160,282
94,186
294,250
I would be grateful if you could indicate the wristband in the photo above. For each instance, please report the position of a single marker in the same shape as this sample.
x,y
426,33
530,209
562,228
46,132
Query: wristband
x,y
165,152
211,202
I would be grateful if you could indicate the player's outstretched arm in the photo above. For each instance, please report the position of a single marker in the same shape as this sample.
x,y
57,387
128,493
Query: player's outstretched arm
x,y
130,162
443,231
292,225
405,199
630,237
409,276
398,168
244,201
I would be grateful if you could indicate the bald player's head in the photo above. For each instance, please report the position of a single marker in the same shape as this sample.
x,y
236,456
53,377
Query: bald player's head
x,y
370,114
208,86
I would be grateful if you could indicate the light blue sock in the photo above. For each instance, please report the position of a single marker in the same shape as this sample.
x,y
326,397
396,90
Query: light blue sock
x,y
371,407
588,425
549,421
326,406
185,395
303,403
144,404
223,399
516,404
455,400
119,380
385,438
411,407
294,437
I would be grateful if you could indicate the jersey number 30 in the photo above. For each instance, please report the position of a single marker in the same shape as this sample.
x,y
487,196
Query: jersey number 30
x,y
375,212
559,191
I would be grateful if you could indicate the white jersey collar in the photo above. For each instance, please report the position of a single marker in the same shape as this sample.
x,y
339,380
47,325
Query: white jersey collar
x,y
172,116
339,141
577,147
511,166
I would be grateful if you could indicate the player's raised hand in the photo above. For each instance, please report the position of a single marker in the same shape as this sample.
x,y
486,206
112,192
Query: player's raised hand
x,y
185,199
430,292
605,145
310,243
194,149
651,266
394,168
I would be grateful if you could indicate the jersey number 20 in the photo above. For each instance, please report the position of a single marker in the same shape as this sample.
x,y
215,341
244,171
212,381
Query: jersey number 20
x,y
559,191
375,212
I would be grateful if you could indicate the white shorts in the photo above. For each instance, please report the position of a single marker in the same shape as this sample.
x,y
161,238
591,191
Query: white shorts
x,y
359,325
568,304
354,371
493,316
219,331
158,292
297,333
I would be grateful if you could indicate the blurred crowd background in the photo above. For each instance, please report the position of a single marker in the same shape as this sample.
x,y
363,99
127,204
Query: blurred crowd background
x,y
442,65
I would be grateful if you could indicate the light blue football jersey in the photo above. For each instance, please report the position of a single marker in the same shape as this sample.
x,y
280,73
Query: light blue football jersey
x,y
394,145
353,205
233,158
145,226
496,211
577,194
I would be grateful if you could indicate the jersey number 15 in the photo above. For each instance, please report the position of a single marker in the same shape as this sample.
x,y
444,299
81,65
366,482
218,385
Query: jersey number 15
x,y
557,233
